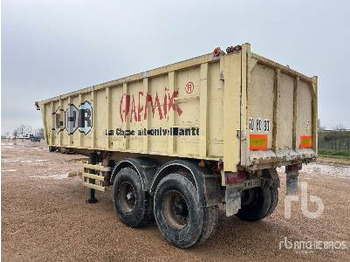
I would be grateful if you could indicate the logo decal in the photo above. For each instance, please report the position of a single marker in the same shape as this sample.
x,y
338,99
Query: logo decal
x,y
189,87
71,119
85,117
58,120
141,106
74,118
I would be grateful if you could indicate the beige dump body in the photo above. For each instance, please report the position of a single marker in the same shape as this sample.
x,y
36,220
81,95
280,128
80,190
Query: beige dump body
x,y
240,108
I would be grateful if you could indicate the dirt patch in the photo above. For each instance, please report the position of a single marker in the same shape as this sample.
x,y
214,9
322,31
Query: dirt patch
x,y
45,217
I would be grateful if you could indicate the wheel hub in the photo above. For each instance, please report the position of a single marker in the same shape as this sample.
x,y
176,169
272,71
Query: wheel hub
x,y
128,196
176,210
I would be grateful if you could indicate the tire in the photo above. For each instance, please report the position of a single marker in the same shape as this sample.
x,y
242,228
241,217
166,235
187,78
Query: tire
x,y
179,215
52,149
211,219
258,203
133,206
274,201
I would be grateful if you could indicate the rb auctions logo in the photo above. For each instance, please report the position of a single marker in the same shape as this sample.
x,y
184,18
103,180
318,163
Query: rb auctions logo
x,y
304,204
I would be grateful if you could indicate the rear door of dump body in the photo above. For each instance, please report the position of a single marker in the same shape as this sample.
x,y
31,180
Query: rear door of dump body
x,y
278,113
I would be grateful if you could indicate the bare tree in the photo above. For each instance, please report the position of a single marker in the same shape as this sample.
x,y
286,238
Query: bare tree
x,y
22,130
40,132
15,132
339,127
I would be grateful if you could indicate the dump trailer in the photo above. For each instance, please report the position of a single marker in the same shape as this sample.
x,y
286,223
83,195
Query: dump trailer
x,y
176,142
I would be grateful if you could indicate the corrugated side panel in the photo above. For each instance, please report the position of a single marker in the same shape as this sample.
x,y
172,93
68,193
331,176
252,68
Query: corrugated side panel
x,y
176,113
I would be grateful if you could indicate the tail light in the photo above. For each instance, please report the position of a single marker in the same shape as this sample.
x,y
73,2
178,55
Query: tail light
x,y
217,51
294,168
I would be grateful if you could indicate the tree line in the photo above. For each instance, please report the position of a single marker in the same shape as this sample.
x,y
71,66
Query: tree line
x,y
26,130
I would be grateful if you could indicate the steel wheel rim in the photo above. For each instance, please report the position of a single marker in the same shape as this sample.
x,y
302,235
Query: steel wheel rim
x,y
175,210
249,197
127,196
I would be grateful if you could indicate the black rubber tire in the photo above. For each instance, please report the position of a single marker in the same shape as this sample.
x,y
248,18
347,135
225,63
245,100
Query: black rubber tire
x,y
274,201
52,149
139,215
263,203
211,219
201,221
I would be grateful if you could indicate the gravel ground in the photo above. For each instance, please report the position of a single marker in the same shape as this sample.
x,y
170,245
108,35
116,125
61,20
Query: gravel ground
x,y
44,217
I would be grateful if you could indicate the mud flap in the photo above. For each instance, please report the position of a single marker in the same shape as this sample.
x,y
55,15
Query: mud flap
x,y
232,200
292,183
292,174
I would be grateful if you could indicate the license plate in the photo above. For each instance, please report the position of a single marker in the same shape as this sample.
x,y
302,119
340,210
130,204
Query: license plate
x,y
248,184
252,183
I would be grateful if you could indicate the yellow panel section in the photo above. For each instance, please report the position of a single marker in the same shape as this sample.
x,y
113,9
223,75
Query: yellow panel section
x,y
231,111
116,122
101,118
304,125
215,109
135,116
187,115
260,100
285,113
158,117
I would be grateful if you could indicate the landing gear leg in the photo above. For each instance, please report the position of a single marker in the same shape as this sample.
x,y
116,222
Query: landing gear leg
x,y
292,174
92,198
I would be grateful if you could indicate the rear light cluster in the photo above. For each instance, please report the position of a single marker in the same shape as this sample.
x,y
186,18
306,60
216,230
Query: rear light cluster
x,y
294,168
232,49
218,167
234,177
217,51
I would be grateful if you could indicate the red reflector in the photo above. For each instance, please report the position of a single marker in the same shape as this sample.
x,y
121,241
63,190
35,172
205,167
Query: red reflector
x,y
257,142
236,177
294,168
306,141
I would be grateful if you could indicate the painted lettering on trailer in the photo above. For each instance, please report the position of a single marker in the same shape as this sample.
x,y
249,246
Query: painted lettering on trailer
x,y
136,108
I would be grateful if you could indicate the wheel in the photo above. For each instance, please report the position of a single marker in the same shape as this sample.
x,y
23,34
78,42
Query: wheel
x,y
179,215
132,205
274,201
258,203
211,218
52,149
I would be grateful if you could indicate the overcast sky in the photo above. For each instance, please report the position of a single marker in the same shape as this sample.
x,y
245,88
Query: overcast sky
x,y
52,47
